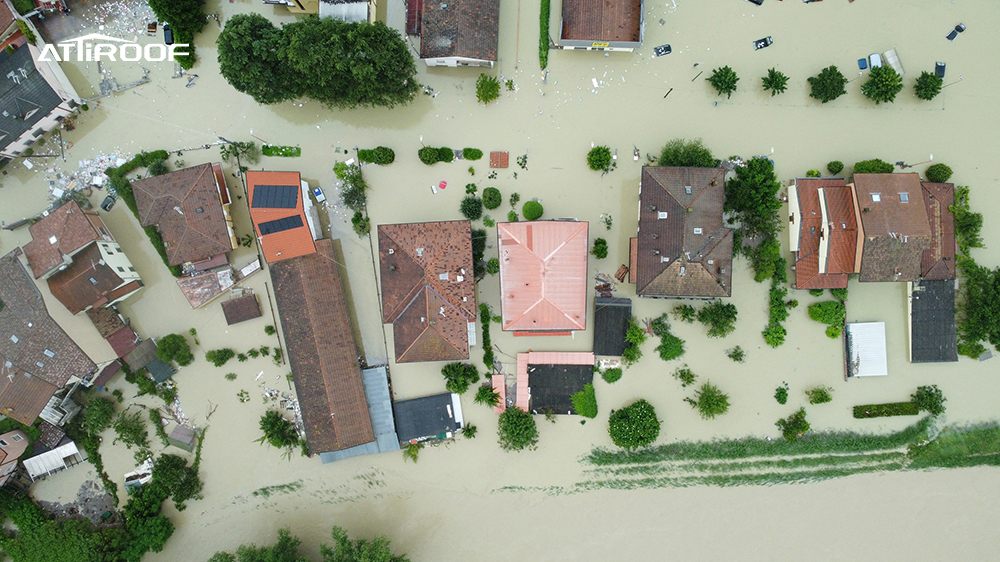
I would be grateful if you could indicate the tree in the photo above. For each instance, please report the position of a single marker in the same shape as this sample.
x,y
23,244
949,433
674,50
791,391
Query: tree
x,y
250,59
938,173
600,250
828,85
459,376
487,396
344,549
286,549
97,415
471,207
634,426
174,347
752,196
585,402
873,166
928,85
517,430
794,426
278,431
492,198
719,317
724,81
599,159
532,210
929,399
687,154
775,82
487,88
834,167
709,401
883,84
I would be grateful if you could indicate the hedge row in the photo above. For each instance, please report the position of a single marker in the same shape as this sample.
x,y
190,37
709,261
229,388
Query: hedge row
x,y
885,410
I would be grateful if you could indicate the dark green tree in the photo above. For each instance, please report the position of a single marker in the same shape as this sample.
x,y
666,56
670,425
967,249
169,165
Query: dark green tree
x,y
687,154
459,376
517,430
938,173
752,196
828,85
928,85
634,426
709,401
344,549
883,85
775,82
929,399
250,59
724,81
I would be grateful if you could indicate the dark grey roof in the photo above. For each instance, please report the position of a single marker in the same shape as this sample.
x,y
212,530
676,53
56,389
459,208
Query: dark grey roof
x,y
26,93
552,386
610,324
275,196
932,322
426,416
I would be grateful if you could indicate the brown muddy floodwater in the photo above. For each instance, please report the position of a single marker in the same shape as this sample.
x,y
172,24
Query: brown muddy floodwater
x,y
448,507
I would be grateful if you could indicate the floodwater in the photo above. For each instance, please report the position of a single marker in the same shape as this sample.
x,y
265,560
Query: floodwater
x,y
430,509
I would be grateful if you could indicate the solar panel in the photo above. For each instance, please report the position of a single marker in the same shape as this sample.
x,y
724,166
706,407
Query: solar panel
x,y
280,225
275,196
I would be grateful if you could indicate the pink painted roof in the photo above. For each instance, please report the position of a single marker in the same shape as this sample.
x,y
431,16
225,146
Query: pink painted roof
x,y
543,275
500,388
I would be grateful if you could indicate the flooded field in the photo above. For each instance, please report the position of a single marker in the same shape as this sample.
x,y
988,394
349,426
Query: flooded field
x,y
429,509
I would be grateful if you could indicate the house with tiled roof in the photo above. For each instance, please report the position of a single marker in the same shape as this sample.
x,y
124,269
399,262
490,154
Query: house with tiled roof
x,y
277,208
37,358
601,25
682,249
823,232
458,33
428,289
190,208
324,359
543,276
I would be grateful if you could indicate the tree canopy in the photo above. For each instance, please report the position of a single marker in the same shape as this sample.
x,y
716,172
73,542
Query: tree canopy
x,y
828,85
883,84
752,195
687,154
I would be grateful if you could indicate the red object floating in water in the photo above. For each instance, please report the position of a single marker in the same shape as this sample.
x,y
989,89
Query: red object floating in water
x,y
443,184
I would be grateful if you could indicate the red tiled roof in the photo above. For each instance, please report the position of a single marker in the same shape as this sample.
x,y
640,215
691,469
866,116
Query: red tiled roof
x,y
285,244
896,233
241,309
543,275
938,262
429,315
321,350
683,248
186,206
89,281
460,28
601,20
62,233
827,233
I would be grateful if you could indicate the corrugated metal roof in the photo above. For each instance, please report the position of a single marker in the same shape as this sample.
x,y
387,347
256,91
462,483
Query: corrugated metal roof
x,y
866,349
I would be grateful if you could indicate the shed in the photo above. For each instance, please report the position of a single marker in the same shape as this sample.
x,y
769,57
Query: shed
x,y
40,466
241,309
611,316
183,437
428,416
864,345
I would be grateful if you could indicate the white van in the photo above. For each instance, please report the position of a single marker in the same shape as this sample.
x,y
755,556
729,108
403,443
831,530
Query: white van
x,y
875,60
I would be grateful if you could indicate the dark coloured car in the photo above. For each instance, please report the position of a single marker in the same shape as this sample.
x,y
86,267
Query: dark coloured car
x,y
168,34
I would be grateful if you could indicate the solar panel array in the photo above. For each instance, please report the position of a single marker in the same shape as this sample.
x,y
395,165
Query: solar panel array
x,y
275,196
280,225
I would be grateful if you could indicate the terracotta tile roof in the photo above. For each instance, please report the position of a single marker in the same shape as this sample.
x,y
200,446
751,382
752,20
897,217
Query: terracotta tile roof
x,y
106,320
827,233
602,20
460,28
241,309
321,350
123,341
938,262
295,238
186,206
88,281
896,232
429,315
683,248
29,338
62,233
543,275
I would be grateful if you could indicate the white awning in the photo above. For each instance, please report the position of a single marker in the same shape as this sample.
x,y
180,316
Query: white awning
x,y
51,461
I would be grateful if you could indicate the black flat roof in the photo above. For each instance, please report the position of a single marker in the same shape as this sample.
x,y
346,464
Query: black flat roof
x,y
932,322
275,196
287,223
424,417
611,318
25,97
552,385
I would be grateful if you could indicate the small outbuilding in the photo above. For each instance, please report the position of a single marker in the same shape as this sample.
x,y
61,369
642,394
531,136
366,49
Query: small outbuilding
x,y
428,417
864,345
611,316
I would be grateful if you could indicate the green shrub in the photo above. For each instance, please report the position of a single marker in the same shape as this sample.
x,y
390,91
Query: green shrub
x,y
813,174
459,376
428,155
600,250
938,173
487,88
599,159
493,266
472,153
532,210
634,426
585,402
492,198
471,207
611,375
709,401
543,37
685,375
873,166
517,430
819,395
929,399
380,155
219,357
781,394
794,426
834,167
719,317
886,410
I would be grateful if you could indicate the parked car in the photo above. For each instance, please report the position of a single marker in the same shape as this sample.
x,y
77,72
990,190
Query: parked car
x,y
954,32
108,202
761,43
168,34
875,60
939,69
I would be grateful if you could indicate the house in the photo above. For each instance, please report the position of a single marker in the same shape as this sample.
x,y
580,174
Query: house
x,y
13,444
550,379
428,289
351,12
428,417
864,348
190,208
35,95
459,32
277,210
543,276
894,226
823,232
933,335
602,25
37,358
611,317
324,359
682,249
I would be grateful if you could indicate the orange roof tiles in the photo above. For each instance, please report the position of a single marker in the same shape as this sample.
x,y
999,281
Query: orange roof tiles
x,y
543,275
288,243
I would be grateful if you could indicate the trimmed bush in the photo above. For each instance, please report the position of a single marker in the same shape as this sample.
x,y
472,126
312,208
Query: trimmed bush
x,y
886,410
428,155
834,167
585,402
380,155
938,173
600,250
472,153
472,207
492,198
532,210
634,426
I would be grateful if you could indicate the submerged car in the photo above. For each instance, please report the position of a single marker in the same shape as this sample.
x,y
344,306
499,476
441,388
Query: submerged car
x,y
761,43
954,32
